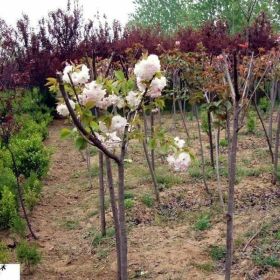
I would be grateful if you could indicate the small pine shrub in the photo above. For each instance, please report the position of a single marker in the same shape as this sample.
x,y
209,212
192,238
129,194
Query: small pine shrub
x,y
128,195
148,200
28,254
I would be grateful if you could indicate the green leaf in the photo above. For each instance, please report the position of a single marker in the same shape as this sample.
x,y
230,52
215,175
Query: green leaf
x,y
80,143
65,133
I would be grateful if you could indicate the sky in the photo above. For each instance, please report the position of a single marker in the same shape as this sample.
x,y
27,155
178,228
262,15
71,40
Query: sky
x,y
11,10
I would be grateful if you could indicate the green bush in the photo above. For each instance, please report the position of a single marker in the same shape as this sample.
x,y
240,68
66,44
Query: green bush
x,y
128,203
251,122
30,155
18,226
28,254
264,104
203,223
8,208
223,142
217,253
204,121
148,200
4,254
32,190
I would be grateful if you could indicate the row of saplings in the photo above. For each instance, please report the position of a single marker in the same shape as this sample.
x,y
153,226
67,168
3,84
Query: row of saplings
x,y
110,110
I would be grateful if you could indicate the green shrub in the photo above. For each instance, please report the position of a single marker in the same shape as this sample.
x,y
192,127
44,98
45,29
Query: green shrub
x,y
204,121
148,200
18,226
251,122
202,223
28,254
8,208
217,253
30,155
30,127
32,190
223,142
128,203
264,104
265,260
128,195
4,254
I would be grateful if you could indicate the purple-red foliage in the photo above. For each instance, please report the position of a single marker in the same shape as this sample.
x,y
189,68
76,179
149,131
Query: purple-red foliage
x,y
28,56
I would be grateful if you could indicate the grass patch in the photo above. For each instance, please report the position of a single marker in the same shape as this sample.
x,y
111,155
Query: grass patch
x,y
206,267
71,224
128,203
148,200
202,223
217,253
97,239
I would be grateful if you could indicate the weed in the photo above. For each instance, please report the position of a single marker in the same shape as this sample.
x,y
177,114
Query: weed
x,y
203,223
148,200
217,253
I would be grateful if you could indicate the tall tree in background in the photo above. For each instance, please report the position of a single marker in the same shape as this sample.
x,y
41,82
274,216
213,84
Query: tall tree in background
x,y
168,14
173,14
238,14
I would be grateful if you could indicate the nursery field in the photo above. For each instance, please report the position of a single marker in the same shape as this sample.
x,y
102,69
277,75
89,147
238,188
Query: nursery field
x,y
145,149
183,238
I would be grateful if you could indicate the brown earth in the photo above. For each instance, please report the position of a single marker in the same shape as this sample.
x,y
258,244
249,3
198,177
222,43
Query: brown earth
x,y
163,243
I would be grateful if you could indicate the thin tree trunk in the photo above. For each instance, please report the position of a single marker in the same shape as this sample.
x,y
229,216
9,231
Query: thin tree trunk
x,y
88,166
152,136
183,118
152,172
202,153
276,149
265,132
218,170
210,139
102,195
230,204
115,214
156,190
174,111
272,100
20,194
123,236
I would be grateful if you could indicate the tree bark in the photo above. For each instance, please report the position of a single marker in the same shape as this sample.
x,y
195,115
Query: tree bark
x,y
210,138
276,149
123,236
102,195
115,214
202,153
230,204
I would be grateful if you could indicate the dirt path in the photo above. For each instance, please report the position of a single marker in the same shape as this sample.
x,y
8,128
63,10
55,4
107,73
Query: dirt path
x,y
58,219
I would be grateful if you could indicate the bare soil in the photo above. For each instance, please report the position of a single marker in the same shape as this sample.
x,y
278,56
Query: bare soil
x,y
163,241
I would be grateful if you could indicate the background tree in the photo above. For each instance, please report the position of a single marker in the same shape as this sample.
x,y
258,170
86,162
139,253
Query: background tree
x,y
170,15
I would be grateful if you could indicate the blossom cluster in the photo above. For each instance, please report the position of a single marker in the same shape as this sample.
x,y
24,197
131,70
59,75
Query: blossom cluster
x,y
145,72
180,160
